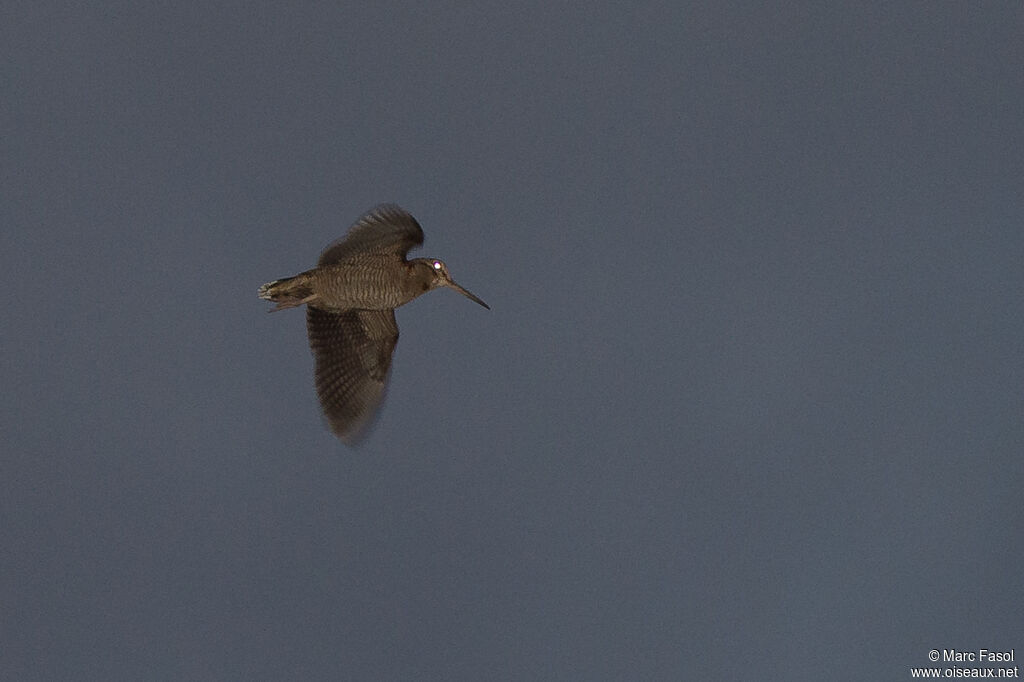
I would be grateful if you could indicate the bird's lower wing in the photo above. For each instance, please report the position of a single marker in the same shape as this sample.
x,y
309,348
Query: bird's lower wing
x,y
352,350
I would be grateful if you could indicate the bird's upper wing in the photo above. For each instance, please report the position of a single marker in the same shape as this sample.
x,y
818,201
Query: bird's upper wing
x,y
352,350
386,229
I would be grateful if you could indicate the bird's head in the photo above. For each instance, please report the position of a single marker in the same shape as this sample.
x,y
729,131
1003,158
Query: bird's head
x,y
437,275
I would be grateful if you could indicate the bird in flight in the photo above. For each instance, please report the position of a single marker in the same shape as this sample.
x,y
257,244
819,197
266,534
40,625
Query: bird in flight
x,y
350,299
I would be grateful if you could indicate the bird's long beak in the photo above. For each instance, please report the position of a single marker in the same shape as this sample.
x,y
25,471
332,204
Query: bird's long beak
x,y
467,294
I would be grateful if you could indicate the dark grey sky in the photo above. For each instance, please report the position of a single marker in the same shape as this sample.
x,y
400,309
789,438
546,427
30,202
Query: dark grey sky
x,y
748,404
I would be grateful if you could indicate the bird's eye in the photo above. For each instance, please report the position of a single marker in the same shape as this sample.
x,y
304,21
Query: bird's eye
x,y
437,265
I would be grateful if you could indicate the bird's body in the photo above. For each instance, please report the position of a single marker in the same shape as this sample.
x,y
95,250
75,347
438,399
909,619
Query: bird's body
x,y
350,299
371,282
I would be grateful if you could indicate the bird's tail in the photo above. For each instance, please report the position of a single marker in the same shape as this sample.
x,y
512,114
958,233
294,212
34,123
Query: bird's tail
x,y
287,293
